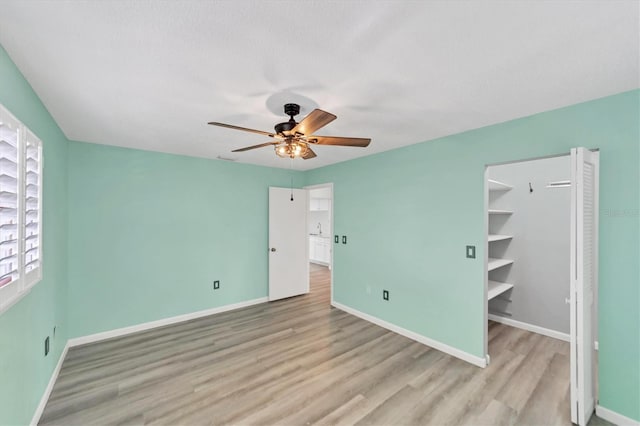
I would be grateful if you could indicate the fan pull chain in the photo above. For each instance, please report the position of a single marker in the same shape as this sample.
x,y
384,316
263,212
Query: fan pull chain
x,y
291,169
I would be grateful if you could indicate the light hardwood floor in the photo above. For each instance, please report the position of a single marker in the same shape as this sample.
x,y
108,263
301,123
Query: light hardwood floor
x,y
298,362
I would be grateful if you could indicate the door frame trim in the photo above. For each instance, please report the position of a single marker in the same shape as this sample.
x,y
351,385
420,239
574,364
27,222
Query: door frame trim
x,y
485,212
331,219
485,186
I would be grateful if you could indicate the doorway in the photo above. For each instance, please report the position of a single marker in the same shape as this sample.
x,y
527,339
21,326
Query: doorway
x,y
541,260
320,237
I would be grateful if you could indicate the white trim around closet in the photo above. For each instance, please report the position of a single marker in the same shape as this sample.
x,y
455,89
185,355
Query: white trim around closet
x,y
533,328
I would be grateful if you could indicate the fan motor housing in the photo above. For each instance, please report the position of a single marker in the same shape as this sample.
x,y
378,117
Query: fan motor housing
x,y
285,127
291,110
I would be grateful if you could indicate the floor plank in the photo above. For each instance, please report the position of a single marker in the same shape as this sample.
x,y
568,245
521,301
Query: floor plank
x,y
298,361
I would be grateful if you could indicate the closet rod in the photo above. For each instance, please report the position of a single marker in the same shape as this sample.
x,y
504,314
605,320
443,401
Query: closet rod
x,y
559,184
501,313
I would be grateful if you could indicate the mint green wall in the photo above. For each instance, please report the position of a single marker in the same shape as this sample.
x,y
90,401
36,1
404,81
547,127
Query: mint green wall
x,y
149,233
24,371
410,212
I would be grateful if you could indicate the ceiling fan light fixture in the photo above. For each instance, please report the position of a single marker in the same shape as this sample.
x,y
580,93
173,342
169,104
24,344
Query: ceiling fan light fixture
x,y
291,149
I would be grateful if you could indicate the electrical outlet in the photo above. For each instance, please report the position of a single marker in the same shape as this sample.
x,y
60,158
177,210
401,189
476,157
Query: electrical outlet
x,y
344,239
336,239
385,294
216,284
471,252
46,346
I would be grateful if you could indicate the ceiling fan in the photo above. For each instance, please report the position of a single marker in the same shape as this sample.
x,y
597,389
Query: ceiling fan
x,y
293,139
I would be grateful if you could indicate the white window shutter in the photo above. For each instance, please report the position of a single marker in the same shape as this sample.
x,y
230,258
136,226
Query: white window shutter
x,y
20,209
32,222
9,207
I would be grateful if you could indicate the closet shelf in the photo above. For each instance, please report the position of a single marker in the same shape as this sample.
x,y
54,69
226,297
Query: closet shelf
x,y
494,185
496,237
497,288
496,211
497,263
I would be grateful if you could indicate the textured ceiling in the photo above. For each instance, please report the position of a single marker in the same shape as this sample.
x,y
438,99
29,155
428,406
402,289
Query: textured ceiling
x,y
150,74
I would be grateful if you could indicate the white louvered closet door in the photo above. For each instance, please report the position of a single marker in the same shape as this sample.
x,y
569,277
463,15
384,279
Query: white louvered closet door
x,y
584,259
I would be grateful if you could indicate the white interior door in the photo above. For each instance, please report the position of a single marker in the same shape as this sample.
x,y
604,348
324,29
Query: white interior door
x,y
584,258
288,246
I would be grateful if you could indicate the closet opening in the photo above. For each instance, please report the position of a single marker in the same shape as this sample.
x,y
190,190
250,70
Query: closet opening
x,y
541,275
320,236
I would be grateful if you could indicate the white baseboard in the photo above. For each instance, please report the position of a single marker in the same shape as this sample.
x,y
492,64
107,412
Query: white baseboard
x,y
529,327
76,341
465,356
615,418
45,396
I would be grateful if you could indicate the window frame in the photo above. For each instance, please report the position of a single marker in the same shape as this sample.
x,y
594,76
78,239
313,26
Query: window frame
x,y
15,290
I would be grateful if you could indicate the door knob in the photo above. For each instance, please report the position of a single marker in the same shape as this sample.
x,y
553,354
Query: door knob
x,y
273,249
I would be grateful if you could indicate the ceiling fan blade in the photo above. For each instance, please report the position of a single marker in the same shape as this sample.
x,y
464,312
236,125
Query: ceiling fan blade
x,y
335,140
314,121
255,146
230,126
309,154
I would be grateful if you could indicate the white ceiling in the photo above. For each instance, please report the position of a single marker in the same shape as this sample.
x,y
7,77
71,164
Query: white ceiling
x,y
151,74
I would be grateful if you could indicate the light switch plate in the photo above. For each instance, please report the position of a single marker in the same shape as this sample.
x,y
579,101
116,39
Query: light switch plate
x,y
471,252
